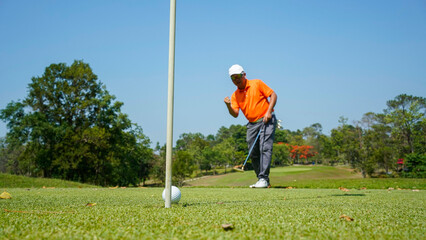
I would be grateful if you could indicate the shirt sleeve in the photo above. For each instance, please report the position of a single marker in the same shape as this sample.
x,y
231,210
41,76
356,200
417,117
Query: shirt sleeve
x,y
234,103
265,89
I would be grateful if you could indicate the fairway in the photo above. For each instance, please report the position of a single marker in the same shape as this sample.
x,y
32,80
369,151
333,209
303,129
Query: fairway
x,y
309,177
279,176
139,213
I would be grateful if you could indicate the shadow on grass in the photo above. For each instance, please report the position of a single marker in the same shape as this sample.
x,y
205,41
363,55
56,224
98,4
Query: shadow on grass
x,y
203,203
244,202
348,195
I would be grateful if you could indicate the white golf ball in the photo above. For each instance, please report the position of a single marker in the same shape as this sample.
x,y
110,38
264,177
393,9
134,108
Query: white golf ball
x,y
176,195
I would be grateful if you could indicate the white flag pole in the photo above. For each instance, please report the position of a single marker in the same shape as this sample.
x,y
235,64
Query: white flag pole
x,y
170,97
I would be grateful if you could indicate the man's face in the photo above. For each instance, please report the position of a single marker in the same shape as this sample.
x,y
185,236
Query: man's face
x,y
239,80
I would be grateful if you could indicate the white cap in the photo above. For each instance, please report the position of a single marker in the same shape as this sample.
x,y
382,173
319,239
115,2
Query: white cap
x,y
235,69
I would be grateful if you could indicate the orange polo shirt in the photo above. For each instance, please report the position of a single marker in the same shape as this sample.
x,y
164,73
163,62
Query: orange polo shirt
x,y
253,100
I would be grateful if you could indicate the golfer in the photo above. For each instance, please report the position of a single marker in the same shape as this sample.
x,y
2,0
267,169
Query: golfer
x,y
257,101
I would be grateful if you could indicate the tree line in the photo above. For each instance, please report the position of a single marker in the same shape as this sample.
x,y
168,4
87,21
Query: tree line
x,y
70,127
387,144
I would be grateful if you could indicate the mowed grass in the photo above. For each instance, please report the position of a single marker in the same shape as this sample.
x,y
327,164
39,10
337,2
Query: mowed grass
x,y
15,181
275,213
309,177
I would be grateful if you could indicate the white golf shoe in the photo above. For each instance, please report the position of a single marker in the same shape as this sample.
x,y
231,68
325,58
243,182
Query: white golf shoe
x,y
262,183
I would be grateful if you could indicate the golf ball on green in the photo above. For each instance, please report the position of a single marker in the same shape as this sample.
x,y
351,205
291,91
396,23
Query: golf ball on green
x,y
176,195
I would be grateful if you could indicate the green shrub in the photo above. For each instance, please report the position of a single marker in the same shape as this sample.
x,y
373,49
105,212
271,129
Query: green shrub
x,y
416,165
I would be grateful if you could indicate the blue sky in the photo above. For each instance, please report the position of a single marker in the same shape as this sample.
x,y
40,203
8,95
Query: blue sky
x,y
324,59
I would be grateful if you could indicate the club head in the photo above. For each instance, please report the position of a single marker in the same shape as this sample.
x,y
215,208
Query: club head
x,y
239,168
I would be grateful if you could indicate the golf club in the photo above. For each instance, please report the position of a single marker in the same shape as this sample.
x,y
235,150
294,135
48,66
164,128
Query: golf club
x,y
251,149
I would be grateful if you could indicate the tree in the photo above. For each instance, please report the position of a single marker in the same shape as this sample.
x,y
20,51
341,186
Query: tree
x,y
312,135
9,158
227,153
237,133
72,128
337,145
403,114
416,164
209,157
182,166
347,144
419,138
281,154
281,135
380,145
328,152
296,138
301,152
193,143
158,171
361,152
231,145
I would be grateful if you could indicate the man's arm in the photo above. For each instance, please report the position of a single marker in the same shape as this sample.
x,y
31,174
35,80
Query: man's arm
x,y
230,109
272,103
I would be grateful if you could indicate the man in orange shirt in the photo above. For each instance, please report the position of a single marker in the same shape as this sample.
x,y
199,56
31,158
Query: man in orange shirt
x,y
251,97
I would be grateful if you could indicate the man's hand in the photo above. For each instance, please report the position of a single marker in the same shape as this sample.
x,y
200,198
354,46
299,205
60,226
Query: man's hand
x,y
267,117
230,109
273,101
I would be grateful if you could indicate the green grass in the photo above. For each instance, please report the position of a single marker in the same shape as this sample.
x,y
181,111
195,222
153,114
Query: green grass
x,y
14,181
309,177
139,213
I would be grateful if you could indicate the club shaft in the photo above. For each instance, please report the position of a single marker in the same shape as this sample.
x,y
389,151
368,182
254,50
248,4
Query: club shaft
x,y
251,148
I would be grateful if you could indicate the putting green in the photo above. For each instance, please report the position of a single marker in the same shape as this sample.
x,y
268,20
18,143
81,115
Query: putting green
x,y
290,170
139,213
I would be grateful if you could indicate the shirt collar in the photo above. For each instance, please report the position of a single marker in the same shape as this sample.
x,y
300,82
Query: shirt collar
x,y
246,88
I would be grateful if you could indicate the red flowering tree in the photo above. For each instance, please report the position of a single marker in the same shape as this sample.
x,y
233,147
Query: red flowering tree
x,y
303,152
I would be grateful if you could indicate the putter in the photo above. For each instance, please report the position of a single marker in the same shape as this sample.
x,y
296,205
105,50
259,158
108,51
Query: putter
x,y
251,149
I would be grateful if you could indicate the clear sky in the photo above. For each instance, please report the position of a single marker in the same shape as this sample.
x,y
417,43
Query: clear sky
x,y
324,59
